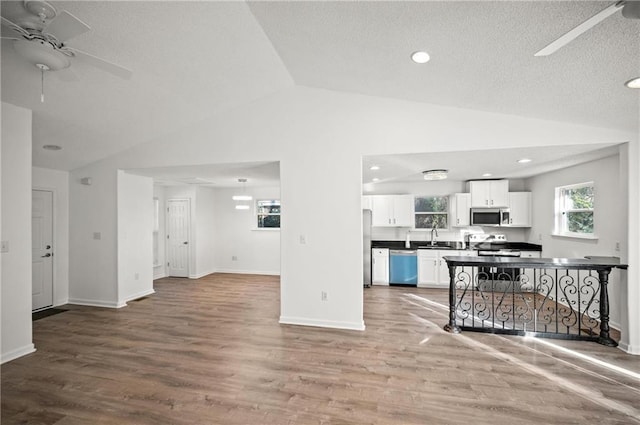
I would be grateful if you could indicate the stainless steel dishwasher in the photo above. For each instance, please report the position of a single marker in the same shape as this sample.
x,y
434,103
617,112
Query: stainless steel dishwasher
x,y
403,267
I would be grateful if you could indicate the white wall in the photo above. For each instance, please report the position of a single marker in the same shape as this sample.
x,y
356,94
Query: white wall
x,y
57,182
160,270
93,272
135,237
257,251
204,227
15,179
609,218
319,137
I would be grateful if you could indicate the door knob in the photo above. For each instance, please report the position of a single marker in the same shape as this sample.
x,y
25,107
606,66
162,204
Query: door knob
x,y
48,247
185,243
46,255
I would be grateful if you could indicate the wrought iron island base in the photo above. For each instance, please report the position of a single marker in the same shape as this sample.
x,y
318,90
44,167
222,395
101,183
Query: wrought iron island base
x,y
563,298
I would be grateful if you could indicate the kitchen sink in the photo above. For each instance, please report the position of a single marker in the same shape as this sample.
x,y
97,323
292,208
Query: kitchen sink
x,y
442,245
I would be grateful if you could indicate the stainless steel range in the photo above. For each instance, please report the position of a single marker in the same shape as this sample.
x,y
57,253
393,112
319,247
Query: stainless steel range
x,y
495,278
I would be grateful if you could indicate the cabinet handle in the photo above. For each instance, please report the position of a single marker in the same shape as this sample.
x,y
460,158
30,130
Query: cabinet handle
x,y
457,221
492,202
486,202
510,221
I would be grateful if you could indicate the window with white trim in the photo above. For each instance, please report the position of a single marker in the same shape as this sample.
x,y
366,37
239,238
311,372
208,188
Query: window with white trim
x,y
268,213
574,210
431,212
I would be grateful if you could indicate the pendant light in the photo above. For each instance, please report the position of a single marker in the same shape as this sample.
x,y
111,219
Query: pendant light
x,y
243,197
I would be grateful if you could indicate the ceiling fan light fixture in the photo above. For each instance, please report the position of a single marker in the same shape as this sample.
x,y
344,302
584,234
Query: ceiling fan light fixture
x,y
41,9
435,174
634,83
41,53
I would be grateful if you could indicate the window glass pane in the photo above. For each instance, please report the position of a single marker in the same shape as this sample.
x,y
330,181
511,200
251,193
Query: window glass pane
x,y
432,204
580,222
268,209
269,221
427,221
580,198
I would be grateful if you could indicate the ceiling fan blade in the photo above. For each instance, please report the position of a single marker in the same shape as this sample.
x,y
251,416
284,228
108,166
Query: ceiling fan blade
x,y
66,26
15,27
109,67
580,29
66,75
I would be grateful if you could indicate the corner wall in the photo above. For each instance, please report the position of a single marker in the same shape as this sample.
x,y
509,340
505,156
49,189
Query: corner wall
x,y
15,230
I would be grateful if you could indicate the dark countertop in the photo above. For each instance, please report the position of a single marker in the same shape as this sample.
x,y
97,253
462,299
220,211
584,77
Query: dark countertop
x,y
522,246
593,263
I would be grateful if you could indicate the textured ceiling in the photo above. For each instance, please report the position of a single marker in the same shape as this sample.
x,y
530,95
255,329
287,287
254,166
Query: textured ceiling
x,y
191,60
481,55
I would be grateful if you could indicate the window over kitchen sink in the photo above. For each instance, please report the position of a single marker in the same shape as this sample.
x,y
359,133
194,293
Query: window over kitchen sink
x,y
574,210
431,211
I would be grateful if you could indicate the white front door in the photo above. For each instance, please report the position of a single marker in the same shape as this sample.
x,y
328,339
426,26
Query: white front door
x,y
42,249
178,229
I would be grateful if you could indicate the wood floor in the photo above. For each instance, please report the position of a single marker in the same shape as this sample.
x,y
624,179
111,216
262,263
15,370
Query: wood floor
x,y
211,351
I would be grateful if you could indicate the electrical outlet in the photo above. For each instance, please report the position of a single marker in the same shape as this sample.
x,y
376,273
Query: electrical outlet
x,y
617,246
303,240
5,246
234,258
136,276
97,236
539,236
323,296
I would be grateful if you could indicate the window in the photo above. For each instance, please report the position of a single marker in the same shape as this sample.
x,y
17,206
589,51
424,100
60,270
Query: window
x,y
431,211
268,213
574,210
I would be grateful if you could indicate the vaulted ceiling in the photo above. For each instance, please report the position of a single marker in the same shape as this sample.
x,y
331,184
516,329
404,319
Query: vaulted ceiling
x,y
191,60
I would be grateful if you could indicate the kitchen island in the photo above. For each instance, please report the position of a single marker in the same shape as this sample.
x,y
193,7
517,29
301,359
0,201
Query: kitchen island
x,y
548,297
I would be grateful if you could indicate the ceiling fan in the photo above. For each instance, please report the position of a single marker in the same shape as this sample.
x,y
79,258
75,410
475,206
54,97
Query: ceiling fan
x,y
42,37
630,9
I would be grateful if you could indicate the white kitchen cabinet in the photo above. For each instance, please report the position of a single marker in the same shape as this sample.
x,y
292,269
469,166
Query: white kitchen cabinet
x,y
460,204
528,280
520,209
433,271
489,193
380,266
392,210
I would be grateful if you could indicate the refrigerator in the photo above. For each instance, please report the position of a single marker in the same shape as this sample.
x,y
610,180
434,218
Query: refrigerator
x,y
366,247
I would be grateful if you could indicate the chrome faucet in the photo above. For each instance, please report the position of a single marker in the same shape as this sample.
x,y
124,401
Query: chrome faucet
x,y
433,229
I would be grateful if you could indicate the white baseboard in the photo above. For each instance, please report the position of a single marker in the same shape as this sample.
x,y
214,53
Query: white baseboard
x,y
18,352
303,321
629,349
262,272
159,275
97,303
200,275
138,295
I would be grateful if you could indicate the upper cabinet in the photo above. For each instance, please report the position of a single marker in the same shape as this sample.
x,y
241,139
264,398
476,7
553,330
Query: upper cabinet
x,y
520,209
392,210
489,193
460,204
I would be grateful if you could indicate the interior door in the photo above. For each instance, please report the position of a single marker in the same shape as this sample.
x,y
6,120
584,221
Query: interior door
x,y
42,249
178,231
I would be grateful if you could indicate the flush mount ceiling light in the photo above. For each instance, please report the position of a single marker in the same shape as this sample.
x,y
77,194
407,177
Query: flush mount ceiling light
x,y
242,207
523,160
420,57
487,175
435,174
375,179
374,167
52,147
633,84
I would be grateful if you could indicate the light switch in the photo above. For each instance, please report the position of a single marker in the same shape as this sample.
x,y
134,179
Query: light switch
x,y
5,247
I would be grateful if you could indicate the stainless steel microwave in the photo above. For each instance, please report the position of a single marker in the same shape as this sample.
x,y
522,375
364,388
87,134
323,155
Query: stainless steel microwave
x,y
489,216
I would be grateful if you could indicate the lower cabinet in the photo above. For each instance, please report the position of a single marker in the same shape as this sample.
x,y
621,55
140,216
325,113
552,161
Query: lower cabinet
x,y
433,271
380,266
527,282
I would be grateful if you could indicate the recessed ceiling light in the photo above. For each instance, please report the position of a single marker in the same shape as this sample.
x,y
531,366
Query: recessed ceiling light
x,y
633,84
487,175
420,57
242,207
374,167
375,179
52,147
523,160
